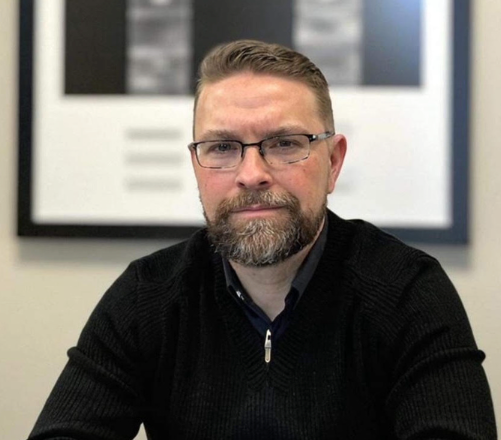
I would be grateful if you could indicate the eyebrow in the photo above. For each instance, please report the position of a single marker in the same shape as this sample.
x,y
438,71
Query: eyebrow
x,y
286,129
218,134
230,135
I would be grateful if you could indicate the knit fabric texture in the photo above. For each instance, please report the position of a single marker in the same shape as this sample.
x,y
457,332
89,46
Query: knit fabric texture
x,y
378,347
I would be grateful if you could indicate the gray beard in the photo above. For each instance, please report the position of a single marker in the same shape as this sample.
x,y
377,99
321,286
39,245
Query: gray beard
x,y
263,242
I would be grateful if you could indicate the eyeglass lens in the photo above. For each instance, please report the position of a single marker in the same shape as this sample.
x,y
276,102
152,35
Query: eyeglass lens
x,y
280,149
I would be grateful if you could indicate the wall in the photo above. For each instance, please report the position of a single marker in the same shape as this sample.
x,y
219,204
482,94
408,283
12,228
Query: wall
x,y
48,287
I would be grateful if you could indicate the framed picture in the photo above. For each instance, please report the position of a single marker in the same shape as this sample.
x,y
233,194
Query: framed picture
x,y
106,103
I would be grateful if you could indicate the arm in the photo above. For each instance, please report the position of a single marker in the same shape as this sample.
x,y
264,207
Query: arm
x,y
438,387
98,395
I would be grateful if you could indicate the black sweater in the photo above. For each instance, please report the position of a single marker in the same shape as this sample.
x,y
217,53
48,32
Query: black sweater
x,y
379,347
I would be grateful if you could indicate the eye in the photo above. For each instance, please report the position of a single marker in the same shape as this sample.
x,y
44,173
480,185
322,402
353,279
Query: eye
x,y
285,143
220,147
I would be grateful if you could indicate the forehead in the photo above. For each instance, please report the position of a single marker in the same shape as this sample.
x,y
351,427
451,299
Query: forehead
x,y
246,98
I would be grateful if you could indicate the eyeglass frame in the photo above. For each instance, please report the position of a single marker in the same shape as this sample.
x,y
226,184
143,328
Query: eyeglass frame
x,y
311,138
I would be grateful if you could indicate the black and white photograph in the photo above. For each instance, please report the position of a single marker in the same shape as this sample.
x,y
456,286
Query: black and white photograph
x,y
159,46
147,43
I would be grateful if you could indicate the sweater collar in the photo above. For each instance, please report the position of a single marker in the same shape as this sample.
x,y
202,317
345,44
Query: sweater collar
x,y
303,275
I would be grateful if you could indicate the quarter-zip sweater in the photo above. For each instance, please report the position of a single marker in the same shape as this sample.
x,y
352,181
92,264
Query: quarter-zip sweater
x,y
379,347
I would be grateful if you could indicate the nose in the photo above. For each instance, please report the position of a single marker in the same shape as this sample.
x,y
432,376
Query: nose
x,y
253,172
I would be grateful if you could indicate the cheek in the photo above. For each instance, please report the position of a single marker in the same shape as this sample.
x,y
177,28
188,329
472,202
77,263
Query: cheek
x,y
306,186
213,189
315,189
205,180
314,182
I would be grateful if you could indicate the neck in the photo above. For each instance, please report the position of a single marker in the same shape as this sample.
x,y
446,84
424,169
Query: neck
x,y
269,285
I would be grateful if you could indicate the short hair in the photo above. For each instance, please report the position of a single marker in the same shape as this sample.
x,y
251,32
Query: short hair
x,y
273,59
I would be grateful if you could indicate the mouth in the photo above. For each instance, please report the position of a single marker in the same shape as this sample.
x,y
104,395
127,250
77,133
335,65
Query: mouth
x,y
256,207
256,210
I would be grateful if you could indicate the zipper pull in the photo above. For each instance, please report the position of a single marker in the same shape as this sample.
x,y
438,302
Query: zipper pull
x,y
267,347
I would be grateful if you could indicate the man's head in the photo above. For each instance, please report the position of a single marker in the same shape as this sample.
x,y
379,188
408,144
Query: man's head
x,y
268,202
265,58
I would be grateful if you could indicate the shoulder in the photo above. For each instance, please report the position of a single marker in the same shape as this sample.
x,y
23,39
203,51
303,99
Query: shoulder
x,y
372,255
398,286
160,278
384,258
387,275
151,290
174,261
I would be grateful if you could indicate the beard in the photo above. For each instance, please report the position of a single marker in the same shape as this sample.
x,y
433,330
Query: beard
x,y
264,241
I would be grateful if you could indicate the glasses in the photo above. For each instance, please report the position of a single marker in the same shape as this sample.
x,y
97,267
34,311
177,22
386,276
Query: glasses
x,y
284,149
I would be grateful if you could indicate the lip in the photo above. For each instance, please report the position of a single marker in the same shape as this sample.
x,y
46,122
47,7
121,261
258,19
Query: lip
x,y
256,209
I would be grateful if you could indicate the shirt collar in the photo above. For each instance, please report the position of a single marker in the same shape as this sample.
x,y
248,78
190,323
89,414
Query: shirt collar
x,y
303,275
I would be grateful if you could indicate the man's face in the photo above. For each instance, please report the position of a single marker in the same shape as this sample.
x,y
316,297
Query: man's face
x,y
256,201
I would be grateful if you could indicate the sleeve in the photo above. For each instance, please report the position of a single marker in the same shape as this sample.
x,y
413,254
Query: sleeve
x,y
98,395
439,389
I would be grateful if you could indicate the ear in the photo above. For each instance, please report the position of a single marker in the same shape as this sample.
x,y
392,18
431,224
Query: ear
x,y
337,151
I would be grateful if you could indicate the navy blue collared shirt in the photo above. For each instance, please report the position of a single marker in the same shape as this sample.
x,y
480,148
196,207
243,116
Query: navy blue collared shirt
x,y
257,317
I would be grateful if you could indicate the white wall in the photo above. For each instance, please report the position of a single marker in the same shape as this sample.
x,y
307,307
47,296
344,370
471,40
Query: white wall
x,y
48,287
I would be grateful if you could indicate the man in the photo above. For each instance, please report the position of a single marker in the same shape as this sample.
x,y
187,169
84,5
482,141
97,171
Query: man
x,y
279,320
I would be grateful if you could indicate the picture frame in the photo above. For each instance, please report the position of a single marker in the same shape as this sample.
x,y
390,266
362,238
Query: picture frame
x,y
425,203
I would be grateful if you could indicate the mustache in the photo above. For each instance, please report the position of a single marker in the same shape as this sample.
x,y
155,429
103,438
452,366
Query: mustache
x,y
264,198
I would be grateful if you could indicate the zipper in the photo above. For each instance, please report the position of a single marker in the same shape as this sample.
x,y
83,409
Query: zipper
x,y
267,347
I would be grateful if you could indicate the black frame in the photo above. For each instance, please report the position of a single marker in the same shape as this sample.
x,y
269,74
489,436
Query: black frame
x,y
26,227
